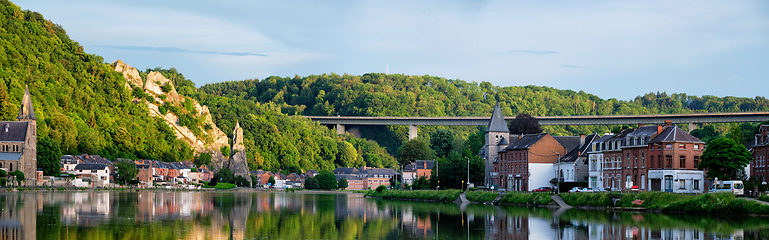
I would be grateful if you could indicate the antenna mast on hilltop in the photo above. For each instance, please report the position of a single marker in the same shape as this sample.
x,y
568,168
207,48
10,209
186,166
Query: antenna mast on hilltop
x,y
387,71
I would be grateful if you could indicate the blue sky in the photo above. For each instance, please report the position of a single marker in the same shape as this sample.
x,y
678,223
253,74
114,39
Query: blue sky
x,y
613,49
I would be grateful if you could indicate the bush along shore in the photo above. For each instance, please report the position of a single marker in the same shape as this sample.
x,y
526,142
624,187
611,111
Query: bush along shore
x,y
423,195
714,203
717,203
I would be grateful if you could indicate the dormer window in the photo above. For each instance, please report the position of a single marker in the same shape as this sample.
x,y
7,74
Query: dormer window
x,y
7,127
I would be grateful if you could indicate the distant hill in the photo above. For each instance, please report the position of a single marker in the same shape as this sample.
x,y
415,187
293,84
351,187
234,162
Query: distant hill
x,y
400,95
85,106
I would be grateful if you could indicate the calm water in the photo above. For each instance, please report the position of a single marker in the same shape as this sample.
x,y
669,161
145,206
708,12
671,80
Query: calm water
x,y
210,215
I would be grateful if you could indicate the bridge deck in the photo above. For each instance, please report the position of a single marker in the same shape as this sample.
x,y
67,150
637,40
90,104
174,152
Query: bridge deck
x,y
552,120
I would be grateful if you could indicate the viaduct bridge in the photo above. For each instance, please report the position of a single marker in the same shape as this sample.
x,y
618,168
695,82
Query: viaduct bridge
x,y
413,122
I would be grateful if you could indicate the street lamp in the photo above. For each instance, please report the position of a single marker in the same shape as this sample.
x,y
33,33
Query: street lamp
x,y
468,172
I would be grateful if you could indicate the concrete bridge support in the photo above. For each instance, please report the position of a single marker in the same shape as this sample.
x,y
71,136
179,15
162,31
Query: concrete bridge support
x,y
692,126
340,129
413,131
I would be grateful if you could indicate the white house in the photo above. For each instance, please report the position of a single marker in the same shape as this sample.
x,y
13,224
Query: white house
x,y
595,161
97,173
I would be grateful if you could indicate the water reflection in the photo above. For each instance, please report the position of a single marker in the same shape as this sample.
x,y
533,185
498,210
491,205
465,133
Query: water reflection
x,y
212,215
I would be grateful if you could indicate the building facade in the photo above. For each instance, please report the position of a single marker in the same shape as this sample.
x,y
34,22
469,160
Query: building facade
x,y
18,142
496,137
758,167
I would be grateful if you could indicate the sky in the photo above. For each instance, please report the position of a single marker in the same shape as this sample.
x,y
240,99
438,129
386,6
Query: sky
x,y
613,49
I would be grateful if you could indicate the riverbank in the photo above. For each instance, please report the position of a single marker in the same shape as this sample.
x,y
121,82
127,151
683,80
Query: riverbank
x,y
720,203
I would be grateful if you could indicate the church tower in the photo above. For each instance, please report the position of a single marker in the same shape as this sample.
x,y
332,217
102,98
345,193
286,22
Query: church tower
x,y
497,138
18,141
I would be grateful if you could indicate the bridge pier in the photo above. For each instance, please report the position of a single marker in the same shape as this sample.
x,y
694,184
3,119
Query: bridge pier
x,y
692,126
413,131
340,129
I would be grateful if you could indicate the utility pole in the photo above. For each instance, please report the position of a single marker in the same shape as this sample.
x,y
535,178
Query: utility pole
x,y
557,172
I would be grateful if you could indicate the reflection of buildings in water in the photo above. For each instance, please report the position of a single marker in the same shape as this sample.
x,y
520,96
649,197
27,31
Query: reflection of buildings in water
x,y
417,226
18,216
509,227
87,208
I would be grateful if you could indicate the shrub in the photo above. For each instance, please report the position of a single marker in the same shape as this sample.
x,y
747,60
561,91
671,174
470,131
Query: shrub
x,y
436,195
479,196
380,188
526,198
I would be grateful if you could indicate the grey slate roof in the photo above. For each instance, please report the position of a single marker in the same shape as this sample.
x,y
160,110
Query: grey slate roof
x,y
13,131
10,156
345,170
573,154
526,142
675,134
348,177
497,122
91,166
568,142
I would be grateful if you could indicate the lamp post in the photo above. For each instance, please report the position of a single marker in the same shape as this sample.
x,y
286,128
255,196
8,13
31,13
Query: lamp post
x,y
557,171
468,172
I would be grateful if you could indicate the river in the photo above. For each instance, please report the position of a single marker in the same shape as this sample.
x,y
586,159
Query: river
x,y
249,215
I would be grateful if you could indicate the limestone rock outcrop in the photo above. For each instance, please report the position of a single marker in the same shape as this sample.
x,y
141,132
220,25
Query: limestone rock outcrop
x,y
213,139
238,163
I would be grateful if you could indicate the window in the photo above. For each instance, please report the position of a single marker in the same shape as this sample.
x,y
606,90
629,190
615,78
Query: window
x,y
682,146
696,146
682,162
643,181
668,146
643,160
696,184
696,161
669,160
682,184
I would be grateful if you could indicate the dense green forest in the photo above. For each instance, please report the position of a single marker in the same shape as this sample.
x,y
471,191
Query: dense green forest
x,y
377,94
83,106
80,102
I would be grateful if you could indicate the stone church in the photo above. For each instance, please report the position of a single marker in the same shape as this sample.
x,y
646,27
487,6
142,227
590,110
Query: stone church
x,y
18,141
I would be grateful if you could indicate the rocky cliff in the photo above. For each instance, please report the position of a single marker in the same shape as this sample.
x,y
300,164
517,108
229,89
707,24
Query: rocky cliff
x,y
210,140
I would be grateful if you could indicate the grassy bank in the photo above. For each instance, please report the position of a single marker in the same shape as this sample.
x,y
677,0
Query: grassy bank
x,y
651,200
481,196
670,202
526,198
430,195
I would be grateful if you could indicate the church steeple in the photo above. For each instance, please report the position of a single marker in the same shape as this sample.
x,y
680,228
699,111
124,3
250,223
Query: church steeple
x,y
497,123
26,112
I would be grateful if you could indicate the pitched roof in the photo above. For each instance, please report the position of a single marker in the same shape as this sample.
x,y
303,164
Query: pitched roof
x,y
345,170
10,156
675,134
527,141
26,111
497,122
568,142
13,131
91,166
644,131
347,177
574,153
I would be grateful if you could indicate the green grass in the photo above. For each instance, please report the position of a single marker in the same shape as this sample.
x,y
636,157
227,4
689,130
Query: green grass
x,y
526,198
436,195
481,196
222,185
724,203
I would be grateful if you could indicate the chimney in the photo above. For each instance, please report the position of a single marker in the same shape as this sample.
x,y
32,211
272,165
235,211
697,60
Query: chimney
x,y
668,123
581,140
659,129
641,125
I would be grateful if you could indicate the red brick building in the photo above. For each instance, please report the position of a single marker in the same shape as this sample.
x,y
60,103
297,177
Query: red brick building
x,y
758,167
527,162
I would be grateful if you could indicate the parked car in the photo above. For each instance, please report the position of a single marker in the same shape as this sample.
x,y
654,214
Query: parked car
x,y
543,189
579,189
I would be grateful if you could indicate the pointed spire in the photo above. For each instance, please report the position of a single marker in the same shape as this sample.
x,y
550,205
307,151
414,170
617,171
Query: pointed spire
x,y
26,112
497,123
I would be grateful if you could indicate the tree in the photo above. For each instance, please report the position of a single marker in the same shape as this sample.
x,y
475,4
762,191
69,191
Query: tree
x,y
347,155
413,150
125,171
225,175
19,176
3,179
271,181
736,134
326,180
204,158
8,110
342,184
441,141
524,124
311,183
48,156
723,158
225,151
706,133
